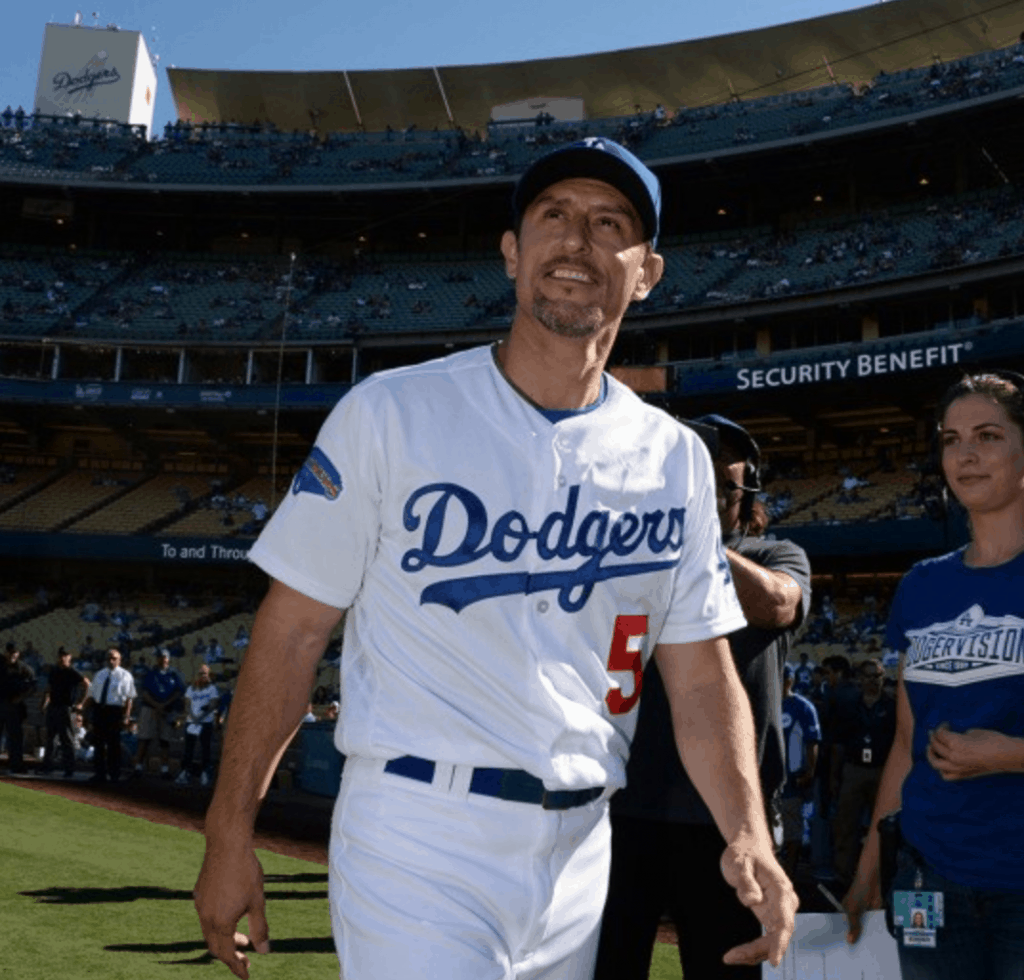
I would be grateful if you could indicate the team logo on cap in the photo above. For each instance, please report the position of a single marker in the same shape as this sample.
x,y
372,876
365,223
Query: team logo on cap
x,y
318,476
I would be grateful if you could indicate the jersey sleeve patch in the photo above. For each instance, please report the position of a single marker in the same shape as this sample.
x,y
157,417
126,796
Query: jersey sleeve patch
x,y
318,476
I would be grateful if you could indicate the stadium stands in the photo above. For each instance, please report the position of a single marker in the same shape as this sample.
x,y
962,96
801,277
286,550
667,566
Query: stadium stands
x,y
18,481
228,154
61,148
236,298
155,499
65,627
58,503
232,514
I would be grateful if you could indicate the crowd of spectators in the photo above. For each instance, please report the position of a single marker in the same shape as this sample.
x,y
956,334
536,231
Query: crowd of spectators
x,y
50,713
260,153
839,713
237,299
49,710
236,511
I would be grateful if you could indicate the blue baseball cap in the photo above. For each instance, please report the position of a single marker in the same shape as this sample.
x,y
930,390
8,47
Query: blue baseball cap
x,y
601,159
734,434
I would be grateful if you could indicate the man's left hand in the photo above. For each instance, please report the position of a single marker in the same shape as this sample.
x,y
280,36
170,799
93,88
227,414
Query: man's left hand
x,y
750,866
967,755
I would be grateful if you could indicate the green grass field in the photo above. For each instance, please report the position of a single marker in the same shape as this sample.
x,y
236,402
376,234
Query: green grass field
x,y
90,894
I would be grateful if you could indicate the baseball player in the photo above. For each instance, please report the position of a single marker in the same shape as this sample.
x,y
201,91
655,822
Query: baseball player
x,y
514,534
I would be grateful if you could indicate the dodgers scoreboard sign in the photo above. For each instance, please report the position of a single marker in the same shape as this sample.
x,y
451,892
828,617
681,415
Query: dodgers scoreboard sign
x,y
98,73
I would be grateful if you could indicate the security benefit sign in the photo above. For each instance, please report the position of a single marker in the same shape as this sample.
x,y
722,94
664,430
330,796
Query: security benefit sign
x,y
851,365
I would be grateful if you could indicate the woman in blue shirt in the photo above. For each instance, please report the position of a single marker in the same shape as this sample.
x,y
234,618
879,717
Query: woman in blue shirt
x,y
957,764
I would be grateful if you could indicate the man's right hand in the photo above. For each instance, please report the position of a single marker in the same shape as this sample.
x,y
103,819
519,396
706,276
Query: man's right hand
x,y
230,885
863,895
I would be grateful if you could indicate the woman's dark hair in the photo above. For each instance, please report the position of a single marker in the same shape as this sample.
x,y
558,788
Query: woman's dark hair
x,y
1000,389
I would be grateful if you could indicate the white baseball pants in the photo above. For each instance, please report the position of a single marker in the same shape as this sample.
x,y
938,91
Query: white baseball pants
x,y
431,882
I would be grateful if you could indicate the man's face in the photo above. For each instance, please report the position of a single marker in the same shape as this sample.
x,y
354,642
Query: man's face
x,y
65,659
580,258
113,659
871,678
203,677
163,662
12,655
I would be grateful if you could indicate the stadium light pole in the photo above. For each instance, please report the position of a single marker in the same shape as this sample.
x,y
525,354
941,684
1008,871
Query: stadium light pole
x,y
280,371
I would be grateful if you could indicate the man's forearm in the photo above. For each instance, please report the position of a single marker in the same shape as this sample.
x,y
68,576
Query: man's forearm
x,y
265,716
770,599
715,736
267,709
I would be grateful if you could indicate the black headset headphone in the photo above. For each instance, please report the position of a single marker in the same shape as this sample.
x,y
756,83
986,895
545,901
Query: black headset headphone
x,y
711,434
933,467
751,486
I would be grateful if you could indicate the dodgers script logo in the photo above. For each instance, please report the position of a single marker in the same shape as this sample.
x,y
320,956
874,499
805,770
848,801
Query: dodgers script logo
x,y
972,647
558,537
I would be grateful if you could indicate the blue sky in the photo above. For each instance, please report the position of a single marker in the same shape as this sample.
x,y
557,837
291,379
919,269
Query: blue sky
x,y
302,35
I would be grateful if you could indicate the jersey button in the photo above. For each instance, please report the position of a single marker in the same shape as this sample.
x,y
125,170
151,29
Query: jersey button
x,y
561,481
542,606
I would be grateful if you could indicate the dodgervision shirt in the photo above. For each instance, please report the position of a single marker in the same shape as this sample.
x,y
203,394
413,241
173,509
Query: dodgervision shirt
x,y
960,631
507,576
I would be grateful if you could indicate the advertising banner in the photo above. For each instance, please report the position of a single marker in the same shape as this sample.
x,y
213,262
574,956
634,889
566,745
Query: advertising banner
x,y
560,108
871,361
125,393
120,547
99,73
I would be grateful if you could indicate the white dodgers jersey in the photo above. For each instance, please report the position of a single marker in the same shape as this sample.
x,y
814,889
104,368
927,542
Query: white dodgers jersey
x,y
507,577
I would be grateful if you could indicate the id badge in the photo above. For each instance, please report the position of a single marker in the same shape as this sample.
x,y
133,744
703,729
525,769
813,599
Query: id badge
x,y
920,914
865,756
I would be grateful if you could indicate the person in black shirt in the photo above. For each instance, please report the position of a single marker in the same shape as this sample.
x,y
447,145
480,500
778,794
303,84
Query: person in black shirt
x,y
665,845
16,683
861,739
836,689
65,690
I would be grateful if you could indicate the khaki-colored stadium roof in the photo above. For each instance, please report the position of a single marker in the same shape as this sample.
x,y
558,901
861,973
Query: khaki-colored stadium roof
x,y
846,47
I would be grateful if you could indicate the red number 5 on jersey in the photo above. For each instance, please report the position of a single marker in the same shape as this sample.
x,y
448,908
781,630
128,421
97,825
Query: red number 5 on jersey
x,y
626,656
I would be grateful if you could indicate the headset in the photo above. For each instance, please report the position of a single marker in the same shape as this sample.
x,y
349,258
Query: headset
x,y
711,429
751,486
